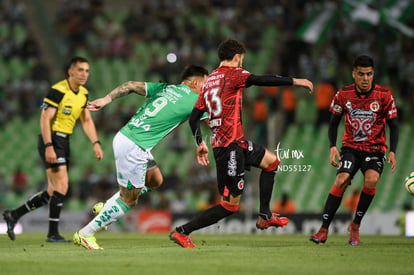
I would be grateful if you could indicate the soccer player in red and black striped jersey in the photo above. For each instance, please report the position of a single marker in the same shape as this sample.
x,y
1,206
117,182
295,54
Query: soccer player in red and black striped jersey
x,y
367,109
221,98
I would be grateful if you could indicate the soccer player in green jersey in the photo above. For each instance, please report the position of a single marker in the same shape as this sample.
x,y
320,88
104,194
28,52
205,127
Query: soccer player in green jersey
x,y
166,108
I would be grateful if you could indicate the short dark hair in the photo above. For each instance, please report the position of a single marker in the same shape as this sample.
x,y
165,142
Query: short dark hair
x,y
192,70
229,48
363,61
77,59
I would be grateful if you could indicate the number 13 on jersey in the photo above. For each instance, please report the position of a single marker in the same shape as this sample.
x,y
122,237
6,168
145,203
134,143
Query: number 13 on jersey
x,y
213,102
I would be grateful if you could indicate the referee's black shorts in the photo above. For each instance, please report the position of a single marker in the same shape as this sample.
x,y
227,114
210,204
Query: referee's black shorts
x,y
61,145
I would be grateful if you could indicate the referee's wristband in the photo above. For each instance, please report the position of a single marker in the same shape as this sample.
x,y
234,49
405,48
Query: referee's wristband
x,y
97,142
48,144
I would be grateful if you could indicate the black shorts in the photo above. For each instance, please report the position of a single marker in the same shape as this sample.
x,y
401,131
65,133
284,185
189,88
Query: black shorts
x,y
352,160
232,161
62,149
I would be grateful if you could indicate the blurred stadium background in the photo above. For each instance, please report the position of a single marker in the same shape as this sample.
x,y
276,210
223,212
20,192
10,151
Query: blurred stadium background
x,y
152,41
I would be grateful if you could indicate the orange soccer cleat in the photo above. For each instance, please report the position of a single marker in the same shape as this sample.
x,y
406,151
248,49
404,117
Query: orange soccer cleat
x,y
353,234
320,237
275,221
185,241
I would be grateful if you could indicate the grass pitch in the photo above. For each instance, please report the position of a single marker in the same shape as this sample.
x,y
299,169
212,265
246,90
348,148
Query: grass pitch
x,y
135,253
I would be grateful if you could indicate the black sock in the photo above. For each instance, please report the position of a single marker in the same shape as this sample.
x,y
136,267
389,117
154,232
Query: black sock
x,y
37,200
206,218
266,183
331,206
363,204
55,206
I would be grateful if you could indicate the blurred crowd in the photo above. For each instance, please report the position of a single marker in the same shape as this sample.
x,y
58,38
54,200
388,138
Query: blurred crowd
x,y
193,29
24,77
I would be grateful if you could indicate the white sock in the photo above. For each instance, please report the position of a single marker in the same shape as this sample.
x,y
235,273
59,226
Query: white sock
x,y
114,209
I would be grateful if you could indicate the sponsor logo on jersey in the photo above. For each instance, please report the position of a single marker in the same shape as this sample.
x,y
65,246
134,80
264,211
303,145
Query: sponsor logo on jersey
x,y
359,113
215,122
61,160
361,121
374,106
391,112
364,114
232,164
240,184
348,104
250,145
337,108
184,89
67,109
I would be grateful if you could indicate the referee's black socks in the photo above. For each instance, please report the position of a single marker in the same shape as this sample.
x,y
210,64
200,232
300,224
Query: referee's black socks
x,y
55,206
36,201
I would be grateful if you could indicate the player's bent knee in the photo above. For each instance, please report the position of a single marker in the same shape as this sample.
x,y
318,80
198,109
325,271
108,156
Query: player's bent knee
x,y
342,180
230,206
154,178
273,166
155,184
342,184
371,180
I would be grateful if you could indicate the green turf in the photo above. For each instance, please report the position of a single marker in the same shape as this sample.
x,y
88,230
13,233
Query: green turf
x,y
134,253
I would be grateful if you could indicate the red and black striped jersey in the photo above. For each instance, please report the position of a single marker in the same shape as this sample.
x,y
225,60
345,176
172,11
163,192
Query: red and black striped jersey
x,y
365,116
221,98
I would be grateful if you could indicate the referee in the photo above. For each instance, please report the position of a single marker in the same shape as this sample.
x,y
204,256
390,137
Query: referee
x,y
62,107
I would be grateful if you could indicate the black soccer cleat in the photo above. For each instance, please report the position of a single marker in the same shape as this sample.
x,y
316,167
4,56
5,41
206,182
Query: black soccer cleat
x,y
11,222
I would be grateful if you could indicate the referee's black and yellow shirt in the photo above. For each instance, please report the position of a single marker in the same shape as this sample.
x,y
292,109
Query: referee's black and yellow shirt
x,y
69,105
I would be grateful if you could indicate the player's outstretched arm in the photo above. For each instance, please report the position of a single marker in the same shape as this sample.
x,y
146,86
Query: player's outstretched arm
x,y
277,80
120,91
302,82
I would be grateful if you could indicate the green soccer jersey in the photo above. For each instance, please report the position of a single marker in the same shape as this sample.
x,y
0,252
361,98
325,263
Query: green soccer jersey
x,y
166,108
